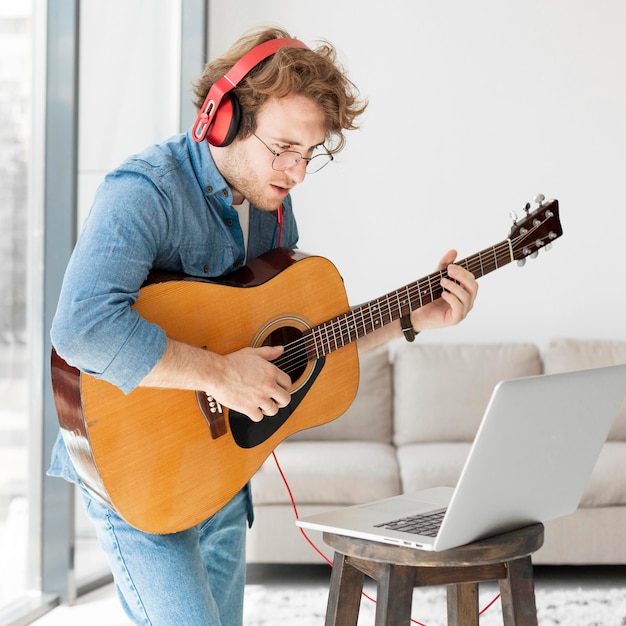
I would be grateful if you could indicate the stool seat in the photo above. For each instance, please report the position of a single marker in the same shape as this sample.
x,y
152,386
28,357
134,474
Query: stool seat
x,y
398,570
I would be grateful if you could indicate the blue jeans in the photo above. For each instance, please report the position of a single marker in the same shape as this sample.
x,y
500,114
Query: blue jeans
x,y
193,578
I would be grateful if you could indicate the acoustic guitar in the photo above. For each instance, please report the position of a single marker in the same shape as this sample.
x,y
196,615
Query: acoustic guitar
x,y
167,459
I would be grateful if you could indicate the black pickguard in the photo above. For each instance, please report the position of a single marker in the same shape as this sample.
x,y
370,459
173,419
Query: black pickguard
x,y
248,434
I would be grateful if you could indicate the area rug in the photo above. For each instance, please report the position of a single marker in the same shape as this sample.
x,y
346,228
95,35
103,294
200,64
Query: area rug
x,y
276,606
301,605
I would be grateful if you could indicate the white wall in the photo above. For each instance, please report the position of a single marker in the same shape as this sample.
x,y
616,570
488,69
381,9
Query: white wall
x,y
474,108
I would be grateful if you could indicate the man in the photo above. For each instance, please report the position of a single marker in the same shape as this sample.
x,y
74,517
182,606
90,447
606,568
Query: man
x,y
203,203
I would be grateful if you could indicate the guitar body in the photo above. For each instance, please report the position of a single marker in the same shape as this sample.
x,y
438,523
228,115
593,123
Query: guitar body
x,y
152,454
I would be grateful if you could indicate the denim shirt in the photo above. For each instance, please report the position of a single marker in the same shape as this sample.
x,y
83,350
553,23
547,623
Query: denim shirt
x,y
167,208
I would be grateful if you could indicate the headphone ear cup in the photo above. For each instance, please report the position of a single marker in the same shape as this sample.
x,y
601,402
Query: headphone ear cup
x,y
225,122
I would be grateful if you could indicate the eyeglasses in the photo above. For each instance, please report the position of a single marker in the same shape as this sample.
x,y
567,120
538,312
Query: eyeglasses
x,y
290,158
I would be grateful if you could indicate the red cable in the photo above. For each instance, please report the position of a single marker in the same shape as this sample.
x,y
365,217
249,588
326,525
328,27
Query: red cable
x,y
324,557
279,217
490,604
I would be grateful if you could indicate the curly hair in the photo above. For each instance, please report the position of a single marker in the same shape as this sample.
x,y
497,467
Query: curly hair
x,y
313,73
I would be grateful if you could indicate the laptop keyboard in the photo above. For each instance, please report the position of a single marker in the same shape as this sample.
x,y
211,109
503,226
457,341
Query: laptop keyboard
x,y
426,524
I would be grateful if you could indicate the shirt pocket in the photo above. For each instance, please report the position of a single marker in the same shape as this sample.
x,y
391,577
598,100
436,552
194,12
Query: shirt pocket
x,y
206,261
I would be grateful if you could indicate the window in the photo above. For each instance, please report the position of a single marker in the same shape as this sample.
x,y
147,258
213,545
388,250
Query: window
x,y
47,554
16,62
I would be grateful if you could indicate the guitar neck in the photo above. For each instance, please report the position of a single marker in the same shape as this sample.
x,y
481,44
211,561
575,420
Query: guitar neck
x,y
366,318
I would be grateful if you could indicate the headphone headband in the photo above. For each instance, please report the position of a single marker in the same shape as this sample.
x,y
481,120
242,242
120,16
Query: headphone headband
x,y
232,78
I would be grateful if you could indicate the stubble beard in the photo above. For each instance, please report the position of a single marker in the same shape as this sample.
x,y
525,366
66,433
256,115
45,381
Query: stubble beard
x,y
243,178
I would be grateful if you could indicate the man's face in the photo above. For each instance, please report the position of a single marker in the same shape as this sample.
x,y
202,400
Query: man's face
x,y
290,123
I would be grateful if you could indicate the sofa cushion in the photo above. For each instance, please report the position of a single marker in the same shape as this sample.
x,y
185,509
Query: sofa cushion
x,y
426,465
369,417
330,472
571,354
442,390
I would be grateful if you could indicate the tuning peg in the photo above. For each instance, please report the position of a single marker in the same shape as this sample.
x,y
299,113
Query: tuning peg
x,y
548,246
534,254
539,198
527,208
513,216
521,262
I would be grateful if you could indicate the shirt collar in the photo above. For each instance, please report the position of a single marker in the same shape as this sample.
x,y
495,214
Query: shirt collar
x,y
207,174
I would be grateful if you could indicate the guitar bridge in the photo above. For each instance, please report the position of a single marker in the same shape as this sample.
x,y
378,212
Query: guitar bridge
x,y
213,413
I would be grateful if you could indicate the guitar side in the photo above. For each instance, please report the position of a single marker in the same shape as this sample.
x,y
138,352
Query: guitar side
x,y
150,453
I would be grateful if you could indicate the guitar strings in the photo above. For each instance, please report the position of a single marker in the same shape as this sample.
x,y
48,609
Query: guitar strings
x,y
309,347
346,328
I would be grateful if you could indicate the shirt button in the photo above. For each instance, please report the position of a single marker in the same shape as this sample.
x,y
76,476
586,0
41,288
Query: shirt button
x,y
209,189
229,222
206,269
238,263
225,193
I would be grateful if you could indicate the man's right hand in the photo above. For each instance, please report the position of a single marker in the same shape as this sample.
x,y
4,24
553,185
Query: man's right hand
x,y
246,380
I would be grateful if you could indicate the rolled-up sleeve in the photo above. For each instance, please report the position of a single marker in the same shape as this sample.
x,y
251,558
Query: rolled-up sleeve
x,y
95,327
163,209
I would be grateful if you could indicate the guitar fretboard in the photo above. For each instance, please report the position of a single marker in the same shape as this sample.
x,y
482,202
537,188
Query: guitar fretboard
x,y
342,330
366,318
538,229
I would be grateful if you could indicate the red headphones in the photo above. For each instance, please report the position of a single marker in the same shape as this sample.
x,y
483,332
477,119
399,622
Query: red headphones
x,y
219,117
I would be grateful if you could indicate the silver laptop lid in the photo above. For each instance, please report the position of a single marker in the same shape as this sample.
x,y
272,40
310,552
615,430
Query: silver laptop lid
x,y
534,452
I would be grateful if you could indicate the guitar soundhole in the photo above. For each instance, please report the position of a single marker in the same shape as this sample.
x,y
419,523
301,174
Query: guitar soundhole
x,y
249,434
296,363
284,336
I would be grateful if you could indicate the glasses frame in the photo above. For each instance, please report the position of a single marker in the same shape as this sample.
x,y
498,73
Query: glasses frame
x,y
299,158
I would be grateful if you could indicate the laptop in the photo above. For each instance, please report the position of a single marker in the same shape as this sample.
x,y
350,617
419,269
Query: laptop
x,y
530,461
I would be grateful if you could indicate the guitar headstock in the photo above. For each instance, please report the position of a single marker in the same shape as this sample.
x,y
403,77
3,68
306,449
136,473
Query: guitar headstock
x,y
537,230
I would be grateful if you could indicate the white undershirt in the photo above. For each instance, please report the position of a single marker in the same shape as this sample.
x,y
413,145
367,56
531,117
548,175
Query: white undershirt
x,y
243,211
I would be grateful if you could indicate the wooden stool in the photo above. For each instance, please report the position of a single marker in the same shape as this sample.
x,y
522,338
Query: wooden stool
x,y
398,570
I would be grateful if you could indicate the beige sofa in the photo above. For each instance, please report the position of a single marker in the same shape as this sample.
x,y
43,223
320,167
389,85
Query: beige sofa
x,y
411,427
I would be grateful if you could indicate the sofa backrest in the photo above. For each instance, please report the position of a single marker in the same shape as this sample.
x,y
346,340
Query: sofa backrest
x,y
571,354
369,418
423,392
441,390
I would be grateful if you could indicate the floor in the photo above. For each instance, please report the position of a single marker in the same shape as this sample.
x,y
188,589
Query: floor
x,y
101,607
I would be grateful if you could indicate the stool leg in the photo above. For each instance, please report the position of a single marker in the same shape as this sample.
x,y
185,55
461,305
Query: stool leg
x,y
518,594
463,604
394,595
344,597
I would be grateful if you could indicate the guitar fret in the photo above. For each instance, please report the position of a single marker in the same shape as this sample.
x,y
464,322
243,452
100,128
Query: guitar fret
x,y
356,323
349,325
327,339
371,310
480,261
320,336
430,288
332,327
419,293
316,334
343,322
343,328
